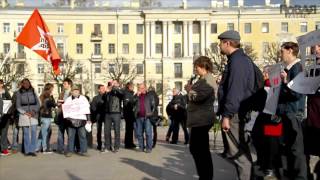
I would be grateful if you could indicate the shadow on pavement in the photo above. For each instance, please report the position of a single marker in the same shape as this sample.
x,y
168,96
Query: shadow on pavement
x,y
180,165
72,176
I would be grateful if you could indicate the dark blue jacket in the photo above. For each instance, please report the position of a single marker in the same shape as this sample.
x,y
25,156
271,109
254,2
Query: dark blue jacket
x,y
290,101
236,85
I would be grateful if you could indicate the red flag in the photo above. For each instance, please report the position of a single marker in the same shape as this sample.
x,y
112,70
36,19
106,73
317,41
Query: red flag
x,y
36,36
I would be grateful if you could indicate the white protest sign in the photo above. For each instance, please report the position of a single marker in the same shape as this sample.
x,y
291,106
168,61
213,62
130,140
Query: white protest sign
x,y
272,100
6,106
75,108
274,75
308,81
310,39
273,91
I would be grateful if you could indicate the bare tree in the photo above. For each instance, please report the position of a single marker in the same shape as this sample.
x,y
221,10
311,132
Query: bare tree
x,y
12,71
219,61
272,54
122,70
67,70
250,52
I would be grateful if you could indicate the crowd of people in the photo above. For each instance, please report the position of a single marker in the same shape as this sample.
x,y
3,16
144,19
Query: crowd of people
x,y
286,133
27,111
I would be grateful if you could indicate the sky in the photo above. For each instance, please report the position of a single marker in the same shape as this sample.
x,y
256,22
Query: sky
x,y
166,3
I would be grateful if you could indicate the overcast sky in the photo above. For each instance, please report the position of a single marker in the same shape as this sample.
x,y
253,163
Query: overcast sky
x,y
166,3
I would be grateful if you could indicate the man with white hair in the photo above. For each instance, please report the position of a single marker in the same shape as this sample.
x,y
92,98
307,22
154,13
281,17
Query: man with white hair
x,y
176,109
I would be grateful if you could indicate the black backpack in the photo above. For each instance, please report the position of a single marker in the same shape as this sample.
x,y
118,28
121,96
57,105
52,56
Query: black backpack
x,y
256,101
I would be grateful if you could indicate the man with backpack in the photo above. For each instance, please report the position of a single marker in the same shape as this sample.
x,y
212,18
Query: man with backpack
x,y
237,85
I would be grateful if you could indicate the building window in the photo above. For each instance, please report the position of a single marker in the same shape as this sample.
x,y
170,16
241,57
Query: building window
x,y
6,27
230,26
214,28
125,68
317,25
60,48
6,47
139,68
178,85
60,28
139,48
139,28
40,88
97,49
196,27
79,68
284,27
265,47
158,27
20,27
97,29
111,48
111,28
20,48
196,48
125,28
40,68
177,27
178,70
125,48
303,27
158,48
79,29
79,48
20,69
112,68
158,68
177,50
265,27
247,28
97,67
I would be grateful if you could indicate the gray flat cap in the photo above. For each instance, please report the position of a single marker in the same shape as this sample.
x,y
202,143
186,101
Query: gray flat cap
x,y
231,34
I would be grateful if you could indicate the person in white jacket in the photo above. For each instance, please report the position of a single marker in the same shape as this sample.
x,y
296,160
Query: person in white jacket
x,y
76,110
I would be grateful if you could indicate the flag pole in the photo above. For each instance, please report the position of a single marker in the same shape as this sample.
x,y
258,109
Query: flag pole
x,y
5,60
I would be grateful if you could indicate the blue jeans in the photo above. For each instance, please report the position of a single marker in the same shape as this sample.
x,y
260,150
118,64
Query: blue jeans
x,y
30,145
144,125
61,129
45,125
82,139
15,137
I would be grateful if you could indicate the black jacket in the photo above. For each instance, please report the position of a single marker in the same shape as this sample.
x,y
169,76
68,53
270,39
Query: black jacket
x,y
180,113
155,98
236,85
128,103
291,102
97,108
149,104
112,101
46,107
200,110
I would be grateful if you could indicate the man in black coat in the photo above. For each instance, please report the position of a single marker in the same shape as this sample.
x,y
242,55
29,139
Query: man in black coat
x,y
236,86
98,113
176,109
128,115
154,118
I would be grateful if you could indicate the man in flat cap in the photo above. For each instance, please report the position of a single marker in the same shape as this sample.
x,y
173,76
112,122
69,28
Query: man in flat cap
x,y
236,85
